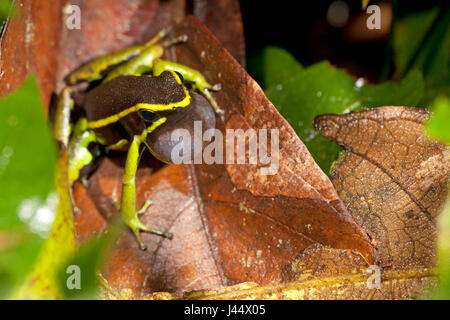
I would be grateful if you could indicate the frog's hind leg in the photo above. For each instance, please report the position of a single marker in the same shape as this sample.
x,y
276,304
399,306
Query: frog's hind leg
x,y
128,199
93,70
190,75
180,39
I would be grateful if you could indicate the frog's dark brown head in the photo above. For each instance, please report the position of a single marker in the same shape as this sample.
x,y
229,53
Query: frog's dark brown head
x,y
161,141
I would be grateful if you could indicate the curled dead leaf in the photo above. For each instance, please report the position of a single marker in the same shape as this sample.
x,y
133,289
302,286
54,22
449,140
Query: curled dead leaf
x,y
392,178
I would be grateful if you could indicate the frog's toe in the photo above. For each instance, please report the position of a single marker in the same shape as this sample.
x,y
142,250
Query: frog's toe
x,y
136,226
144,208
216,87
141,244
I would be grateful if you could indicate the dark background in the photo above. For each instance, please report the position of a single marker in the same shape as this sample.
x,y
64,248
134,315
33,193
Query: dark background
x,y
301,27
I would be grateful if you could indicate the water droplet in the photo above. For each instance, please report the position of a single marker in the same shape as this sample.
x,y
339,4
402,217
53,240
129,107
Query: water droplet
x,y
359,83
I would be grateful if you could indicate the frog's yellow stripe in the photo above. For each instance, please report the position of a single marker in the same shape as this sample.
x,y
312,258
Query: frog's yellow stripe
x,y
150,129
140,106
119,144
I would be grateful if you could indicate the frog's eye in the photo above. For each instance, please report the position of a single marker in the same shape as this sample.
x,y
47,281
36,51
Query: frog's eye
x,y
179,75
147,115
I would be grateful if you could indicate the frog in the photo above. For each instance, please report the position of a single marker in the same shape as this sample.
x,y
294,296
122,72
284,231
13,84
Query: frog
x,y
139,95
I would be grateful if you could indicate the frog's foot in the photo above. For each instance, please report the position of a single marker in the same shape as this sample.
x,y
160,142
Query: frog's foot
x,y
144,208
180,39
212,101
136,226
160,35
206,89
85,182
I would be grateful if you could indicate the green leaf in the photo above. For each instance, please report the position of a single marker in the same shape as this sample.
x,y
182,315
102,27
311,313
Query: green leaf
x,y
27,175
5,10
438,125
42,281
87,263
322,88
442,292
319,89
273,66
422,41
409,33
406,93
88,260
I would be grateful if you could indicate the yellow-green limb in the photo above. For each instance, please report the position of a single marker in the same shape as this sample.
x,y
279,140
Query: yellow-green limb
x,y
91,71
138,65
80,155
143,63
128,199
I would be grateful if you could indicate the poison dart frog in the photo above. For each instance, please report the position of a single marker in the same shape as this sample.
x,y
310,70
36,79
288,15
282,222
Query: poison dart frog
x,y
140,96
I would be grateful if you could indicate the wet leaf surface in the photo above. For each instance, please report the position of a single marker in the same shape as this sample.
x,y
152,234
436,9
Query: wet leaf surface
x,y
273,66
393,180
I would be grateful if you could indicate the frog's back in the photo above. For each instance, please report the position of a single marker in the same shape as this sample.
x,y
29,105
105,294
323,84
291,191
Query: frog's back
x,y
125,92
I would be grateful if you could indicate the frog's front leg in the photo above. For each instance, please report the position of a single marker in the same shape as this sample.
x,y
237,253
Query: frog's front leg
x,y
80,156
128,199
191,75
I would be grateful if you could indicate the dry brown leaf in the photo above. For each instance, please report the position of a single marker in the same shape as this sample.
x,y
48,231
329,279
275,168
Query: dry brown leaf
x,y
322,273
26,43
392,178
